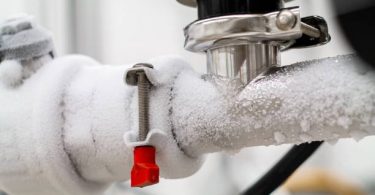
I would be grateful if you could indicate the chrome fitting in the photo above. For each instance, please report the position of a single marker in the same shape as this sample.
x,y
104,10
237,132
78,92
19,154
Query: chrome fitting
x,y
209,33
243,46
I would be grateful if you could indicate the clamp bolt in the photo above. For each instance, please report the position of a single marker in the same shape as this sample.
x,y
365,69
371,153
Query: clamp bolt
x,y
145,171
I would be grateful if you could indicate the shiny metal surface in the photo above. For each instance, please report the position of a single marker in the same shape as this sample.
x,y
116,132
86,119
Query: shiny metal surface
x,y
205,34
310,31
240,47
243,62
286,20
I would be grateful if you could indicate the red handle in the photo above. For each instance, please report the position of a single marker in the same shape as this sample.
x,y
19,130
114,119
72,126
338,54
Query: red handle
x,y
145,171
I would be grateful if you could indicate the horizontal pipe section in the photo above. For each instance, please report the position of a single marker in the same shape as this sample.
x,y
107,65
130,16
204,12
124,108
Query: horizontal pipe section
x,y
323,99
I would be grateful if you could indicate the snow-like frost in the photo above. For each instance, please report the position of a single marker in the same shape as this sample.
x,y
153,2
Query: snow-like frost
x,y
10,73
307,101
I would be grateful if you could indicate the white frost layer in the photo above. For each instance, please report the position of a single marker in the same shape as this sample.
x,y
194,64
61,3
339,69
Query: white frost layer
x,y
99,108
67,121
33,159
10,73
61,130
317,100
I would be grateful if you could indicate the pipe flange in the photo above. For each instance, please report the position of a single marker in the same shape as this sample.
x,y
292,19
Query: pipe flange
x,y
204,34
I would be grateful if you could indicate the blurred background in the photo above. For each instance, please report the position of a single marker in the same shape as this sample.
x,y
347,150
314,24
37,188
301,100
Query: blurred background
x,y
129,31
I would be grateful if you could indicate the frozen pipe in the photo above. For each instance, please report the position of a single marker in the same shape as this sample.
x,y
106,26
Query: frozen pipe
x,y
62,129
323,99
69,128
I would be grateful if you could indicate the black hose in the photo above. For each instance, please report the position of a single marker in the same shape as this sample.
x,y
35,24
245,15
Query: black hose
x,y
281,171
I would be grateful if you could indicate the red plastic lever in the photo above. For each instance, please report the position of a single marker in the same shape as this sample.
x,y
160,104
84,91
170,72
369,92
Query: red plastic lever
x,y
145,171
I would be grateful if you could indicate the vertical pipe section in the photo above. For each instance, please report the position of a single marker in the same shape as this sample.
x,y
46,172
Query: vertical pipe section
x,y
242,61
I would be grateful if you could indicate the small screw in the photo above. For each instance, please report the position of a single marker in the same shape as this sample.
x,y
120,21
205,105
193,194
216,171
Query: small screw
x,y
286,20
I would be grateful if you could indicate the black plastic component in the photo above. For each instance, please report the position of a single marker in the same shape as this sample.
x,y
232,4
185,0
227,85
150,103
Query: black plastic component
x,y
357,20
279,173
307,41
214,8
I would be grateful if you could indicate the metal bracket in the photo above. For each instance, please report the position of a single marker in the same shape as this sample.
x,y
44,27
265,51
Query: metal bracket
x,y
131,77
204,34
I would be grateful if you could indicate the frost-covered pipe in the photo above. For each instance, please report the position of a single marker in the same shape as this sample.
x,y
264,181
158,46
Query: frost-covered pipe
x,y
62,129
70,127
323,99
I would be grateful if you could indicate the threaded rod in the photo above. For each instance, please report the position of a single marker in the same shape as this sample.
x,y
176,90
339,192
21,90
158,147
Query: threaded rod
x,y
143,105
